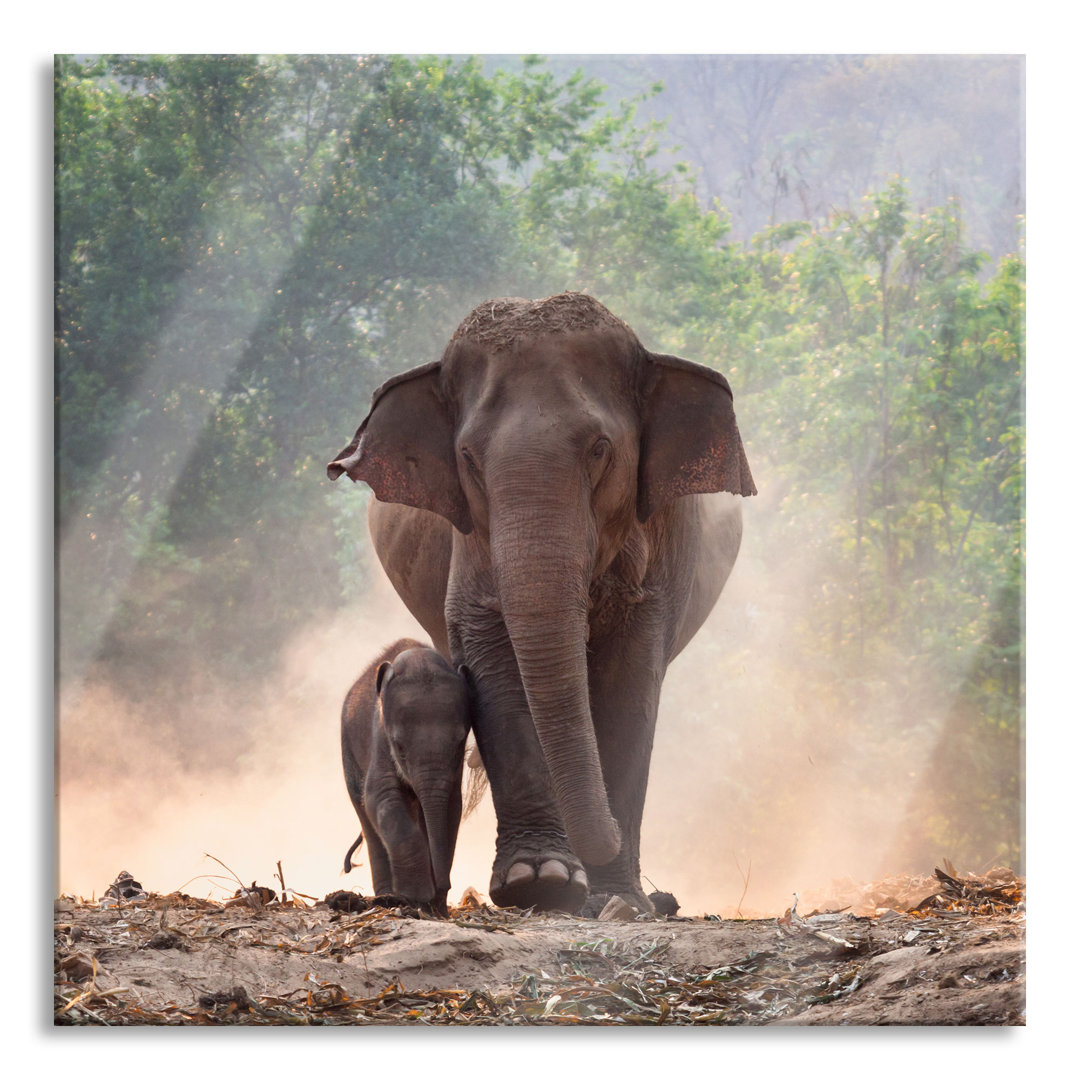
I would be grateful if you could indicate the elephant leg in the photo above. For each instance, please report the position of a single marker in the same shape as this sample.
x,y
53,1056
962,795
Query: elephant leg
x,y
534,864
397,817
381,878
625,675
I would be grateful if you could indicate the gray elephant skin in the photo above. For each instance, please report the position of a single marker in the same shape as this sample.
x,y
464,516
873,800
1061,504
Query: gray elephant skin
x,y
403,729
550,506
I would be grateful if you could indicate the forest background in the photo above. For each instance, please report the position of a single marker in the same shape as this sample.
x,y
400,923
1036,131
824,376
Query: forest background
x,y
246,246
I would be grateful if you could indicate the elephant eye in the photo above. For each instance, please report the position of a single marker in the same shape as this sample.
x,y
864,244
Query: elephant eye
x,y
470,464
598,460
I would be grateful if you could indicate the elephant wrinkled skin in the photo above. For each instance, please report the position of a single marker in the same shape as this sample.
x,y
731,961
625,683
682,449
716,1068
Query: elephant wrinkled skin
x,y
550,511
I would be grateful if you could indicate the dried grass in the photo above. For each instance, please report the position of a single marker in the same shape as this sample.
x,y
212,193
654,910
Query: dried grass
x,y
593,981
501,323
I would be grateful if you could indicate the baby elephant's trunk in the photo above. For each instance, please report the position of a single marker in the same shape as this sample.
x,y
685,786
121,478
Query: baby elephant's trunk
x,y
442,816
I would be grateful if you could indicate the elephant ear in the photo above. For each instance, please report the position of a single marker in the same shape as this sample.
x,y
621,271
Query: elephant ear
x,y
404,449
690,442
383,675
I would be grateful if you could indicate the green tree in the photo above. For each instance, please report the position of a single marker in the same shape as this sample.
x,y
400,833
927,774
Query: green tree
x,y
247,247
887,385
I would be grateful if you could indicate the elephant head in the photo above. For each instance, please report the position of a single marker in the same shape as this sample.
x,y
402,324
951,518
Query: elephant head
x,y
552,440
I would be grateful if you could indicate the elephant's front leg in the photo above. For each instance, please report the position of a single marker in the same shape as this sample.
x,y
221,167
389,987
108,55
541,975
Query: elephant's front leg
x,y
534,864
398,823
625,674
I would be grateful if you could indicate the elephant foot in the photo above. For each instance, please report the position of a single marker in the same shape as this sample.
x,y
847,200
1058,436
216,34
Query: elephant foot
x,y
597,901
390,900
547,880
621,878
411,908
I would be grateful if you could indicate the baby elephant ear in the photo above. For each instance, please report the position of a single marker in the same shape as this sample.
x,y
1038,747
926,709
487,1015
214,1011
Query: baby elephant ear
x,y
404,449
383,675
690,442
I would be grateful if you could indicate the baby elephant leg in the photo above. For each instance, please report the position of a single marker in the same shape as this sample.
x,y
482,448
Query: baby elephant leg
x,y
406,846
382,880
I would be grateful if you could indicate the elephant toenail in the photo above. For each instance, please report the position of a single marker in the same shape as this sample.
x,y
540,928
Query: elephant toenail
x,y
519,874
554,872
579,878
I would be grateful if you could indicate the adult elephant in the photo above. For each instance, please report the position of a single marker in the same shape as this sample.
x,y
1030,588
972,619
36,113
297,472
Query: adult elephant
x,y
543,512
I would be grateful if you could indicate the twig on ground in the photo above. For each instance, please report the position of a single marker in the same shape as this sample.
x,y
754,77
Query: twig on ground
x,y
746,883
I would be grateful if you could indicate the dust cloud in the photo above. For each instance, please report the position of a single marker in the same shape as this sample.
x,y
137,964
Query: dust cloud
x,y
268,788
756,792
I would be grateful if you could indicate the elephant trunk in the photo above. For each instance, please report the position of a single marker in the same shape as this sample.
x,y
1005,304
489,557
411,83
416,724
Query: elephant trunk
x,y
441,806
542,575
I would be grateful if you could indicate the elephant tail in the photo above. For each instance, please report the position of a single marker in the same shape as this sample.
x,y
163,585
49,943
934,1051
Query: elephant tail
x,y
348,854
476,781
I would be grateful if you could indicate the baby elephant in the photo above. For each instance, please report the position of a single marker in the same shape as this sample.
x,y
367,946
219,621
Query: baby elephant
x,y
403,730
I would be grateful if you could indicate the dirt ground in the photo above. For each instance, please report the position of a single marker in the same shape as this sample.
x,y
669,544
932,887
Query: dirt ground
x,y
941,950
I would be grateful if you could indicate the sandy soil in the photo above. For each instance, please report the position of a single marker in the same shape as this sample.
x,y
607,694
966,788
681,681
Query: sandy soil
x,y
957,958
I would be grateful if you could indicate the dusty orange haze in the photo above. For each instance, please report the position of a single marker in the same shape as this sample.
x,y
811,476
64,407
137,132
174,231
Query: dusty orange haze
x,y
746,793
